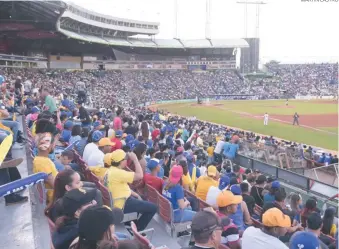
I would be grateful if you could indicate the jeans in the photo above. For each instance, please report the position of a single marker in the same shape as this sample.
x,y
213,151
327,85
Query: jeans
x,y
193,202
183,215
14,126
145,208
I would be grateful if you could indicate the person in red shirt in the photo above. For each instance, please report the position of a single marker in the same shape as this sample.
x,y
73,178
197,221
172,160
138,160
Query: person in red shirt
x,y
155,132
117,141
151,178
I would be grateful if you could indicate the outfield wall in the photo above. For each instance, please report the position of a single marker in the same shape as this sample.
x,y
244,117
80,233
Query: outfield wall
x,y
309,97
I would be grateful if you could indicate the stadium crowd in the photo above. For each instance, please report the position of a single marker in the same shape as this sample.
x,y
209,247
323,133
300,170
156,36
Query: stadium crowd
x,y
130,148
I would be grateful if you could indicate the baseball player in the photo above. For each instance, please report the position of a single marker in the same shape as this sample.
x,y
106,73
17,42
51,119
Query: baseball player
x,y
295,118
266,119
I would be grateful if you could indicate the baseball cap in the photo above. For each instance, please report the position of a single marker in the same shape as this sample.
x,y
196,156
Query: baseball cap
x,y
275,184
117,156
235,189
224,182
129,138
75,199
212,170
105,142
94,222
96,136
226,198
304,240
35,109
68,124
118,133
175,174
180,149
205,222
261,179
153,163
107,158
274,217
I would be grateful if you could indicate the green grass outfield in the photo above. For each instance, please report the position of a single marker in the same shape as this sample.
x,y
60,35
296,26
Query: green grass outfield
x,y
231,113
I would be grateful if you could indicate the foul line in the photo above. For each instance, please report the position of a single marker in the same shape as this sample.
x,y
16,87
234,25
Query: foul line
x,y
275,119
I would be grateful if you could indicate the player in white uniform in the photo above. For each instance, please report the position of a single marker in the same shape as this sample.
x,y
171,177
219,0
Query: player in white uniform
x,y
266,119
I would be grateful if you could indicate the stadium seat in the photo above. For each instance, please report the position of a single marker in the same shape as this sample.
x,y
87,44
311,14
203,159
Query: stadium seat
x,y
257,210
256,223
151,194
203,204
222,246
143,241
166,214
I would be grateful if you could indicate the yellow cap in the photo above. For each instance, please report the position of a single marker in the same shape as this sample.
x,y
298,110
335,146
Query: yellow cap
x,y
274,217
105,142
226,198
117,156
107,159
212,170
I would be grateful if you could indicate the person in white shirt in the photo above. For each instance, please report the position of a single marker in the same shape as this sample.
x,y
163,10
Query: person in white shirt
x,y
97,158
213,192
218,149
93,145
266,119
275,225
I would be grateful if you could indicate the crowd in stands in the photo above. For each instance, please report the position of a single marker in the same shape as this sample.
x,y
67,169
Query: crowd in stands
x,y
138,148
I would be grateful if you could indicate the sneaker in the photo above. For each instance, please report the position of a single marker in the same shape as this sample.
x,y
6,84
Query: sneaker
x,y
11,163
17,146
15,199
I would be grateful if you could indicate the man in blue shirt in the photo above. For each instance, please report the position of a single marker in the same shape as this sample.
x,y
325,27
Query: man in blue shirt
x,y
233,149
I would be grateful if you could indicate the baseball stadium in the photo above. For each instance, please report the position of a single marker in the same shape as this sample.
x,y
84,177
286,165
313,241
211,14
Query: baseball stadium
x,y
112,137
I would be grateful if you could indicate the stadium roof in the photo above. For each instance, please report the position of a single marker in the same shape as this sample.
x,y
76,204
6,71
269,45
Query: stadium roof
x,y
47,19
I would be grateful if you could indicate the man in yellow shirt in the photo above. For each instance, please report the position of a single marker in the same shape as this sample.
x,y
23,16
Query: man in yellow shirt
x,y
117,179
210,152
42,163
205,182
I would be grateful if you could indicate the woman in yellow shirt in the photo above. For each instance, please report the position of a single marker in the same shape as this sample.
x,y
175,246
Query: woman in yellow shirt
x,y
329,228
41,163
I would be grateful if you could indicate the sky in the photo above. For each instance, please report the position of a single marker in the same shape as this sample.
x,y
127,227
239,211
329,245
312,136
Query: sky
x,y
289,30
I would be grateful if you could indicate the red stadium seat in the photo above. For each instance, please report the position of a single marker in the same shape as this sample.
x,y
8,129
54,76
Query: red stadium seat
x,y
143,241
152,194
203,204
257,223
222,246
257,210
166,213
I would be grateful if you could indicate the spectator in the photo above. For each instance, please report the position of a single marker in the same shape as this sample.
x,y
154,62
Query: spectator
x,y
97,224
248,199
314,225
117,141
84,115
174,192
67,131
275,225
213,191
227,204
257,189
97,158
310,207
206,230
210,151
296,207
117,180
50,104
329,228
269,197
42,163
76,134
73,204
304,240
93,146
250,181
152,179
205,182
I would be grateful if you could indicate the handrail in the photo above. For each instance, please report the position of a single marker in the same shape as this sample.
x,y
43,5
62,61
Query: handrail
x,y
285,175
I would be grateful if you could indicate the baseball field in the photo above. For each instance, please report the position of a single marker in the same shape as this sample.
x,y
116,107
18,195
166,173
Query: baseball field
x,y
318,119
